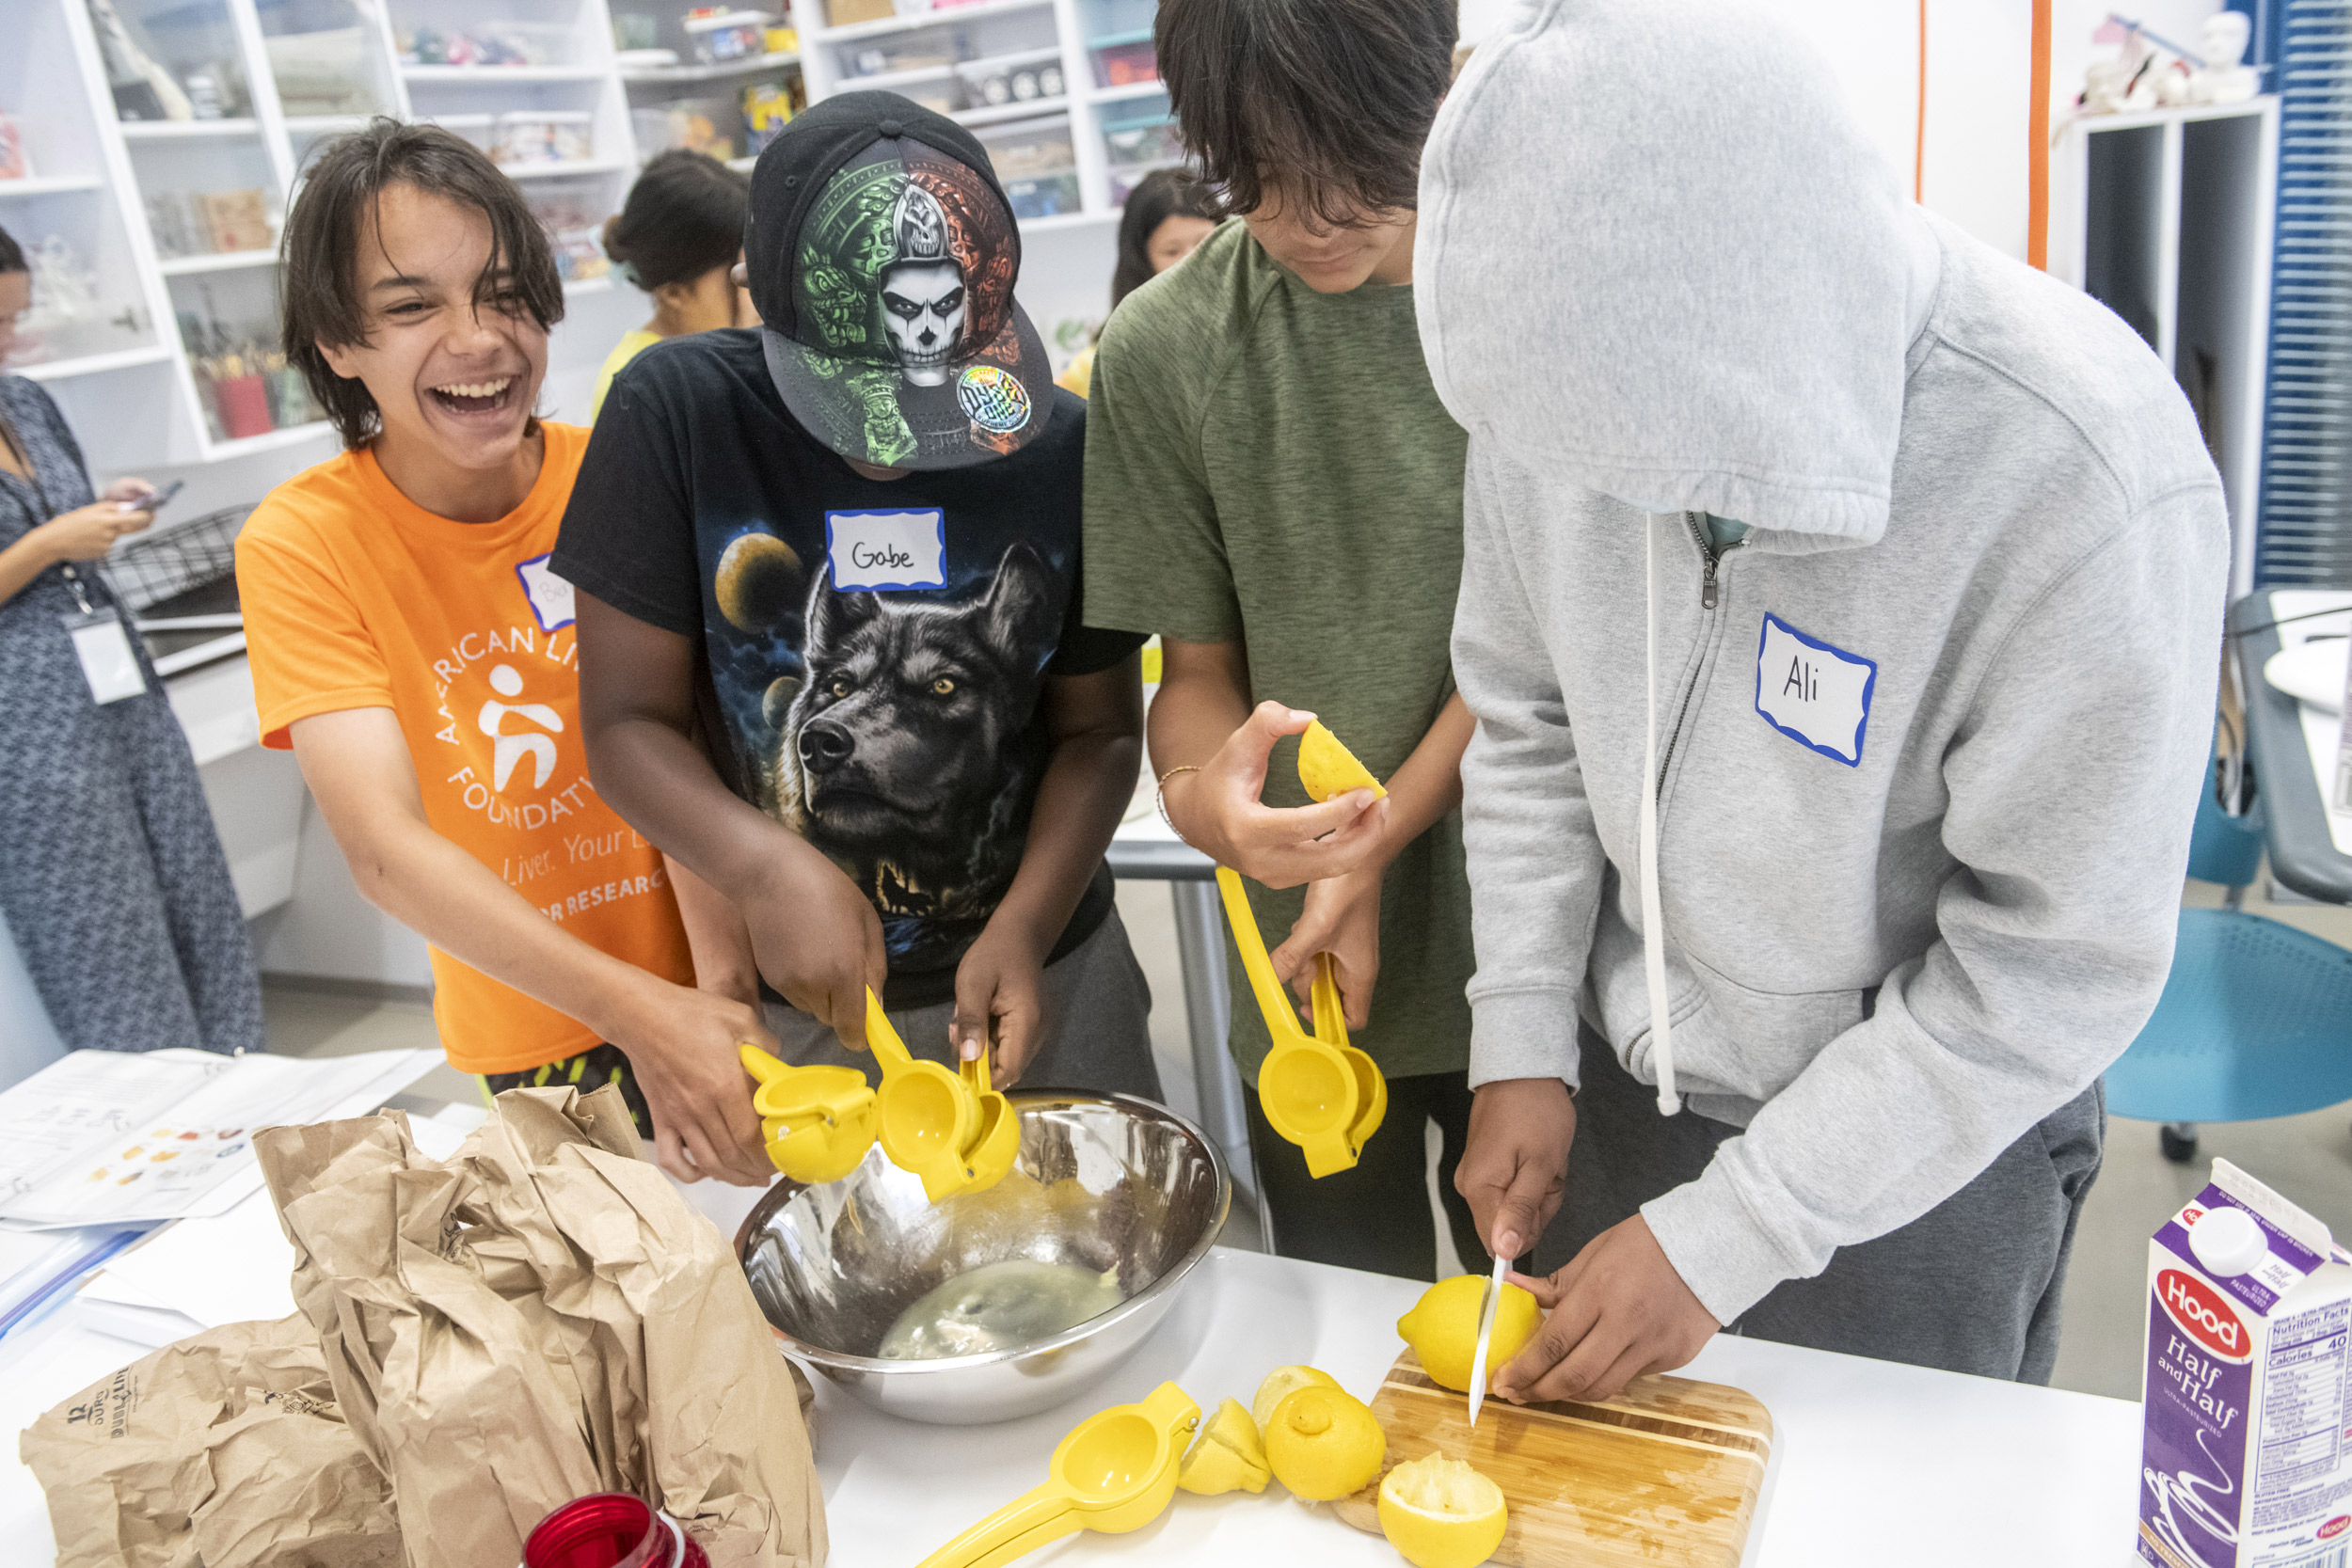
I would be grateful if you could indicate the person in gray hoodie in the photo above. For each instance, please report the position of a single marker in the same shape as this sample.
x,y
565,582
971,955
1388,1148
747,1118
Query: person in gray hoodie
x,y
1840,611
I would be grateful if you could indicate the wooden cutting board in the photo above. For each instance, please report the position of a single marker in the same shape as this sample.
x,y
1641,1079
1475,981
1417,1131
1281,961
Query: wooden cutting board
x,y
1668,1472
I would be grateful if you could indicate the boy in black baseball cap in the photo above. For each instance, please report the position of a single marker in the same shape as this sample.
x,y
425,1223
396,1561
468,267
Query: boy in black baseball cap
x,y
830,639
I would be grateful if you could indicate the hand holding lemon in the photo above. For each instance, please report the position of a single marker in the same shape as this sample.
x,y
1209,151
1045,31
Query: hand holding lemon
x,y
1442,1328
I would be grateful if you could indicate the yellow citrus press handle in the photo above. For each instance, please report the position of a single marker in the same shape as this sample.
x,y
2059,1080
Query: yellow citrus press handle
x,y
1273,1001
1330,1019
881,1038
1029,1521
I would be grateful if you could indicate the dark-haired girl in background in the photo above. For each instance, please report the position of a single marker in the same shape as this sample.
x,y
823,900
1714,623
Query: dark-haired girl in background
x,y
111,877
678,237
1167,215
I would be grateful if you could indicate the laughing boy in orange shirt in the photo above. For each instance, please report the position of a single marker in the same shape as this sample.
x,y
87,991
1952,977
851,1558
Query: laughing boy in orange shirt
x,y
409,642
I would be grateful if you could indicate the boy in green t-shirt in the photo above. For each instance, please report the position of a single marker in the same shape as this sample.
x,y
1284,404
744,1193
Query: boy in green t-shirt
x,y
1273,487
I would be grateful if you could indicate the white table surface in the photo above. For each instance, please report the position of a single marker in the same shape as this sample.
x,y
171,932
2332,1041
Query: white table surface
x,y
1872,1463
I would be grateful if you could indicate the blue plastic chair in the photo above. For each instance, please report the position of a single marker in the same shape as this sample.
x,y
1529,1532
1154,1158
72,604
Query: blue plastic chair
x,y
2256,1017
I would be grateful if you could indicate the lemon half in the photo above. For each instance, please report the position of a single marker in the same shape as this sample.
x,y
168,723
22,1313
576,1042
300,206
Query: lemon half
x,y
1442,1328
1227,1456
1323,1443
1439,1512
1284,1381
1325,767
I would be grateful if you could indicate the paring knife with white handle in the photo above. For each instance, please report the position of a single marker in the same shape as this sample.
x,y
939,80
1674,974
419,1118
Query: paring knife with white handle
x,y
1486,1334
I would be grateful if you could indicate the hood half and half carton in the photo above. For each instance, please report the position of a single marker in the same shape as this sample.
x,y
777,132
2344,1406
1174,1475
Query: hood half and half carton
x,y
2247,1461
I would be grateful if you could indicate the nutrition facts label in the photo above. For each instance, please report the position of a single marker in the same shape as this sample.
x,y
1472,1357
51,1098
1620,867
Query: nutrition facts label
x,y
2302,1399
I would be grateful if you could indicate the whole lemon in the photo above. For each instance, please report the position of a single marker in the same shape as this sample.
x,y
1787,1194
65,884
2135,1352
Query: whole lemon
x,y
1323,1443
1281,1381
1442,1328
1439,1512
1228,1456
1325,767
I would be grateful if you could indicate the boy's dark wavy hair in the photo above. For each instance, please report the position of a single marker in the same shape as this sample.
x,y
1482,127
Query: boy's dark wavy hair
x,y
1320,102
318,294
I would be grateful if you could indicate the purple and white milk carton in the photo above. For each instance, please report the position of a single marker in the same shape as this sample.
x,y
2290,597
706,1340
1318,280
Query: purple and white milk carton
x,y
2247,1457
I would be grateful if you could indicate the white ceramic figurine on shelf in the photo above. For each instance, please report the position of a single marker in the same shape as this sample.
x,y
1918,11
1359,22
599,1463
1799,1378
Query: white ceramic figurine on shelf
x,y
2225,80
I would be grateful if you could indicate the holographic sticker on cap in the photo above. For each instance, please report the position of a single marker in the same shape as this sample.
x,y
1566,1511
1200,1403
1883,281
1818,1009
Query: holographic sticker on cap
x,y
992,399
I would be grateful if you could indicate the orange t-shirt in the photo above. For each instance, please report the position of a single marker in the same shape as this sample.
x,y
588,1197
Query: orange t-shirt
x,y
354,596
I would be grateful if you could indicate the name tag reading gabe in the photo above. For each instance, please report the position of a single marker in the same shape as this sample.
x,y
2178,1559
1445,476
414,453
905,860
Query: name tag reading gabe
x,y
887,549
1817,695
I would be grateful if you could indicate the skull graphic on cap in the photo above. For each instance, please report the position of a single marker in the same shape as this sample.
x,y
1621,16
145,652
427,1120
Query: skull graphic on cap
x,y
923,295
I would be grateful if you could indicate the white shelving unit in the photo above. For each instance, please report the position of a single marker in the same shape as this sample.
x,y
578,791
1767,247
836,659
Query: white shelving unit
x,y
2164,216
136,389
939,56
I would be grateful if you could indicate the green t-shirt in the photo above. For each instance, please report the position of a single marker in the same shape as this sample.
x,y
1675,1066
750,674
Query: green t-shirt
x,y
1270,466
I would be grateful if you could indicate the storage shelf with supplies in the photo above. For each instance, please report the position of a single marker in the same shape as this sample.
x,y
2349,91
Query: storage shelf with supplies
x,y
975,61
175,217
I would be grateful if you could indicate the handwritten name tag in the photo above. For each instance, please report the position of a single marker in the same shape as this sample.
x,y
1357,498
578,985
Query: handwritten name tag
x,y
552,599
1817,695
887,549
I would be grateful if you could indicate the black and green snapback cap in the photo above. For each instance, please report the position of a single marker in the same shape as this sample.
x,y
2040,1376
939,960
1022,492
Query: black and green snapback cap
x,y
880,253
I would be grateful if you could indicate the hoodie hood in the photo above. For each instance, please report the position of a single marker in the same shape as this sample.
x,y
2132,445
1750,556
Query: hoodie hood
x,y
1659,257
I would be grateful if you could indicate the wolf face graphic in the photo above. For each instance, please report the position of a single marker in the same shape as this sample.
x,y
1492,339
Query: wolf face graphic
x,y
907,753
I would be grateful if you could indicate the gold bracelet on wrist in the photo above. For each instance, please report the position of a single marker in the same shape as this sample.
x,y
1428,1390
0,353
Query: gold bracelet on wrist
x,y
1159,799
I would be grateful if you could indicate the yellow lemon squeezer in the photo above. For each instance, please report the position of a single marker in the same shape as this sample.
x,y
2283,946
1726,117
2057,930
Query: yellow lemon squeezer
x,y
1115,1472
1318,1091
949,1127
996,1133
817,1122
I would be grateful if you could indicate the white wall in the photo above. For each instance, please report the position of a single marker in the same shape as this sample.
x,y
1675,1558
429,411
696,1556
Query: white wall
x,y
1979,64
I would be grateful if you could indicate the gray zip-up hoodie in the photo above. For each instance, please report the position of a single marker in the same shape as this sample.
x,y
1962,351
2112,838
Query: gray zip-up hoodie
x,y
1925,745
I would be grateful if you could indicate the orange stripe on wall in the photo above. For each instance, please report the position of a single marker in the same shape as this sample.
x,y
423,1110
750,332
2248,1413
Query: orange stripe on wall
x,y
2038,154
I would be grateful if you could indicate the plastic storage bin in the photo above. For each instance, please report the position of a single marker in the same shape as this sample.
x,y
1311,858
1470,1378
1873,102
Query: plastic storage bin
x,y
1125,64
1007,79
545,136
729,36
1035,164
1140,131
1029,149
1117,20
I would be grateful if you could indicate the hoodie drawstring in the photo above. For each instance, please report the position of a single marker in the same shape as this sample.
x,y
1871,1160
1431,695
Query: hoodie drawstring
x,y
1653,921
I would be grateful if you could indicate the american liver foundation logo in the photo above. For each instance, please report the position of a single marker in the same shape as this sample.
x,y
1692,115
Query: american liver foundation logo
x,y
2204,1315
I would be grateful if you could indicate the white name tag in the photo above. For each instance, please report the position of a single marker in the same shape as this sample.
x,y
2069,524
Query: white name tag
x,y
887,549
103,647
1817,695
551,595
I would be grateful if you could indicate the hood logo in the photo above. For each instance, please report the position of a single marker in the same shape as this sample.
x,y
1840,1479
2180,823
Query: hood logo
x,y
2203,1315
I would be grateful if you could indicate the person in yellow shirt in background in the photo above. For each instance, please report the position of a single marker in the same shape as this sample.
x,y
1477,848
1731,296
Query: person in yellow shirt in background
x,y
678,237
1167,214
412,646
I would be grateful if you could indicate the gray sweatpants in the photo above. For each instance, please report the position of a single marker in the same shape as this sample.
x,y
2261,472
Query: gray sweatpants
x,y
1098,1025
1970,1286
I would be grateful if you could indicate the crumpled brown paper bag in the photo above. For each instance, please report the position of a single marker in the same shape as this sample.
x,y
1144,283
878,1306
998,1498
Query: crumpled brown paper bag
x,y
540,1318
224,1450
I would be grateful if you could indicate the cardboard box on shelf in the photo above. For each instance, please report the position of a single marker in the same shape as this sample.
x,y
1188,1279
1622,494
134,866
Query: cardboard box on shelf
x,y
840,13
236,220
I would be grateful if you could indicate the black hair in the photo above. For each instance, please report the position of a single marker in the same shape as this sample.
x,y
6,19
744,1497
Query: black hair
x,y
11,254
318,275
683,217
1320,102
1161,194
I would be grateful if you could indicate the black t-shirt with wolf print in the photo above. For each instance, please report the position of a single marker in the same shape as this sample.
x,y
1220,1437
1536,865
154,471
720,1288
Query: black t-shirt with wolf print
x,y
875,651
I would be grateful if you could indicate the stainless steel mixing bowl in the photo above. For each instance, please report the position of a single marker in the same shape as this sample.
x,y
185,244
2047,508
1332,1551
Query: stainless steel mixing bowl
x,y
1102,1181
